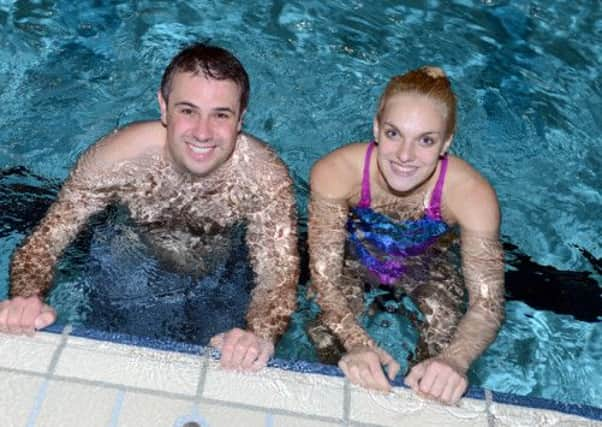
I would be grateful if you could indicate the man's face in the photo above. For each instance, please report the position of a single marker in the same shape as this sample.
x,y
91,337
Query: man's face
x,y
203,119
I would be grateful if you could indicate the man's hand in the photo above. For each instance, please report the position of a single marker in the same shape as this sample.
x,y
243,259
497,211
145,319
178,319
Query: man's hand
x,y
363,367
438,380
25,315
242,350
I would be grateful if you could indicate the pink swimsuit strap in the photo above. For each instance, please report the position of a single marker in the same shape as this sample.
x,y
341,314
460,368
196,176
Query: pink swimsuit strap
x,y
433,211
366,198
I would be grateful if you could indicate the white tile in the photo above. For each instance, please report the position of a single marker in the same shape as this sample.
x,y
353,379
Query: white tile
x,y
293,421
141,409
276,388
17,398
511,416
74,405
217,415
403,407
28,353
130,365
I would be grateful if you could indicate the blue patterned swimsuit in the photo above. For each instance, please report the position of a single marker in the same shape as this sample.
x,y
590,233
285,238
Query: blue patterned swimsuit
x,y
382,244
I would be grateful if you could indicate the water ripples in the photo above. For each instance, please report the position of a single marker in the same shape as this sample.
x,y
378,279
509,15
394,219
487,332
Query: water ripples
x,y
527,77
542,354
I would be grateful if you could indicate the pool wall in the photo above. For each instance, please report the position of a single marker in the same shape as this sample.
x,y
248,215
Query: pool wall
x,y
71,377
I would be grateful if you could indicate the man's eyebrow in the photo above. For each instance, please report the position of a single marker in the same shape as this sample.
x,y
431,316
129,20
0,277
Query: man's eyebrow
x,y
224,109
186,104
196,107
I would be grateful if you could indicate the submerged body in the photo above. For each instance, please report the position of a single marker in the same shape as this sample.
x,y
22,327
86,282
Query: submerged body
x,y
401,238
185,220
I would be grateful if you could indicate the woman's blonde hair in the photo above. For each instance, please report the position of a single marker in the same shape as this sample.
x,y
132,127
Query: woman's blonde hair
x,y
427,81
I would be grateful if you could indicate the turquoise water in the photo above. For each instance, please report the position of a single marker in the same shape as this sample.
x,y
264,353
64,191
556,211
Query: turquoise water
x,y
527,75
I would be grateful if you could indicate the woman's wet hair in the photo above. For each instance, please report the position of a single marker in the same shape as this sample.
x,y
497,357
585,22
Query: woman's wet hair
x,y
427,81
211,62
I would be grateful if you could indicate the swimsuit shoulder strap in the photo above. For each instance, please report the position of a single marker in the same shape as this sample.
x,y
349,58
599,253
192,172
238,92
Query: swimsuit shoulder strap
x,y
366,198
434,209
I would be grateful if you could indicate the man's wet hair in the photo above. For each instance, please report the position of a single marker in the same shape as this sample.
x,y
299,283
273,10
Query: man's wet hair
x,y
211,62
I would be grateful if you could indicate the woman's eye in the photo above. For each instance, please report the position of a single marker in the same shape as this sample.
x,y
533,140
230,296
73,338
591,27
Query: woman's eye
x,y
390,133
427,140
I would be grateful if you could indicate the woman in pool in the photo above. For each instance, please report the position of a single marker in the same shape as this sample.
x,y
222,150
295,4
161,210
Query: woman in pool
x,y
386,214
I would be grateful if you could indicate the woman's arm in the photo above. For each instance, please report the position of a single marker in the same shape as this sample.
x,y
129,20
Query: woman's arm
x,y
476,209
471,202
332,183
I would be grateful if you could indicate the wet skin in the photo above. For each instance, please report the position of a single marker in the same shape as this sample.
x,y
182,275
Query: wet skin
x,y
411,136
183,179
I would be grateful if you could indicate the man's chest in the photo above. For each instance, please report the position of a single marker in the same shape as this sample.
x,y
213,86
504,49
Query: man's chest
x,y
194,208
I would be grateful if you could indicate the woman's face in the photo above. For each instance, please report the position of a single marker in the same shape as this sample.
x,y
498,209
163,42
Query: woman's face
x,y
411,136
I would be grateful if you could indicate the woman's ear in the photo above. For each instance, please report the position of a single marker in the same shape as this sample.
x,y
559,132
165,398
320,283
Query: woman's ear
x,y
375,128
446,144
162,107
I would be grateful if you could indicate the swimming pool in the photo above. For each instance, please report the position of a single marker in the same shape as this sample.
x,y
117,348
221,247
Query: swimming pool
x,y
527,78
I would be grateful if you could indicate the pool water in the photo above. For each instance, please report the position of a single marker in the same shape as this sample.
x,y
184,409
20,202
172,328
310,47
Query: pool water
x,y
527,75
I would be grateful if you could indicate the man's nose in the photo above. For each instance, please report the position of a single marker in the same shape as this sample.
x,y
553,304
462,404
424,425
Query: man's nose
x,y
202,129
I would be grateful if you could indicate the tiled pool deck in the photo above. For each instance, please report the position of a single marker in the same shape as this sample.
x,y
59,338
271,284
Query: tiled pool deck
x,y
80,378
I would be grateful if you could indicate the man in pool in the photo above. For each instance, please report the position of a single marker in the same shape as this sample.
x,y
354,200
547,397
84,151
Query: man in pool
x,y
186,180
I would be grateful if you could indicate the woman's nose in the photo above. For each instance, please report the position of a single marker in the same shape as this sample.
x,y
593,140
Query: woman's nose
x,y
406,152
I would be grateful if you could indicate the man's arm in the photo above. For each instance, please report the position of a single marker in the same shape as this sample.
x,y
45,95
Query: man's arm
x,y
32,265
272,241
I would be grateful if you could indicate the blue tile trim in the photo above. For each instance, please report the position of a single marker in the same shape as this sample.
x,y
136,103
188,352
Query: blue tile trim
x,y
269,420
183,420
474,392
37,404
117,408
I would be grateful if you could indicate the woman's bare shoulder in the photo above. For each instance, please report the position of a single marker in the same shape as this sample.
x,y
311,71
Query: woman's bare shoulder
x,y
470,197
338,174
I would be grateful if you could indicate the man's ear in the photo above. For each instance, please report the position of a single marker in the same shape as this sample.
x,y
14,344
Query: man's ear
x,y
241,120
162,107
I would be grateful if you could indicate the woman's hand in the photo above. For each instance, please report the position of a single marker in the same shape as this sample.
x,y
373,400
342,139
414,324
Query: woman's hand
x,y
438,380
363,367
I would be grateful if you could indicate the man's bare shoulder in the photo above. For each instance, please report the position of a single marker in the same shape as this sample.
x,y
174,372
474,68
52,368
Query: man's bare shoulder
x,y
261,157
131,142
338,174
